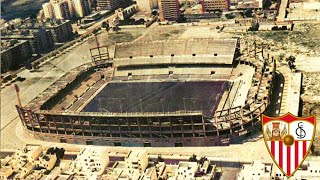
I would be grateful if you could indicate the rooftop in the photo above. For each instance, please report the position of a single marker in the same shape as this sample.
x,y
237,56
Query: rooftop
x,y
136,154
8,44
187,165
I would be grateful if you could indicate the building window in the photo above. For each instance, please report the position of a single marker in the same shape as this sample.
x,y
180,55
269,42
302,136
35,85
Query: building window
x,y
151,56
215,54
172,55
193,54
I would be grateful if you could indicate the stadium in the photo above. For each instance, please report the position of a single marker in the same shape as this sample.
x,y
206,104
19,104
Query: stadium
x,y
197,92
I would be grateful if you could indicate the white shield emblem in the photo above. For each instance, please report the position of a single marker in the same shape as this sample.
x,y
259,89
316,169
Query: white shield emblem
x,y
288,139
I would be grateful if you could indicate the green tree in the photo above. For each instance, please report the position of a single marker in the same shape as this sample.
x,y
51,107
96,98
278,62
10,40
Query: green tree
x,y
267,4
248,13
104,24
230,16
193,158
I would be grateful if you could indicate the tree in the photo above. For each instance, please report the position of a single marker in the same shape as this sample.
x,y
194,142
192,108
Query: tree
x,y
160,159
248,13
267,4
154,13
104,24
291,60
193,158
230,16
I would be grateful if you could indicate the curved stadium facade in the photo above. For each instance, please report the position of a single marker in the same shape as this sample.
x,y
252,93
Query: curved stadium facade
x,y
195,92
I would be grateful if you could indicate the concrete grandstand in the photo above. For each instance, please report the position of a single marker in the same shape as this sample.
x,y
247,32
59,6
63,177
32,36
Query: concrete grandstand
x,y
198,92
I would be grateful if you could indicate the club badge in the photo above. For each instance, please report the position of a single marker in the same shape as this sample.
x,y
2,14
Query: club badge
x,y
288,139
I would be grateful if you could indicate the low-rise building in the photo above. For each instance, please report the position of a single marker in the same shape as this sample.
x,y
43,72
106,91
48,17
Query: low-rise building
x,y
37,162
91,162
150,174
271,25
256,170
126,12
137,160
28,162
132,167
186,170
46,161
250,4
6,172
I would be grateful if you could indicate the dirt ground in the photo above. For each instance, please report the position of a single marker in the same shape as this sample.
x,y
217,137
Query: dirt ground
x,y
311,103
305,38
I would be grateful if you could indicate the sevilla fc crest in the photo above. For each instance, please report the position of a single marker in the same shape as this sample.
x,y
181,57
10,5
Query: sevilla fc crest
x,y
288,139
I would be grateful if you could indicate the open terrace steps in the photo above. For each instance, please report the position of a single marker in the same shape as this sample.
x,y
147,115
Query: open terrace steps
x,y
234,117
229,96
85,91
176,47
174,59
258,97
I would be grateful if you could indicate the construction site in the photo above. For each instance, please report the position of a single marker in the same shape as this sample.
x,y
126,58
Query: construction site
x,y
197,92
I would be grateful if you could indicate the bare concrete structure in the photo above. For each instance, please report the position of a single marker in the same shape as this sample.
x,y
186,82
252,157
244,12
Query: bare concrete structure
x,y
64,112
